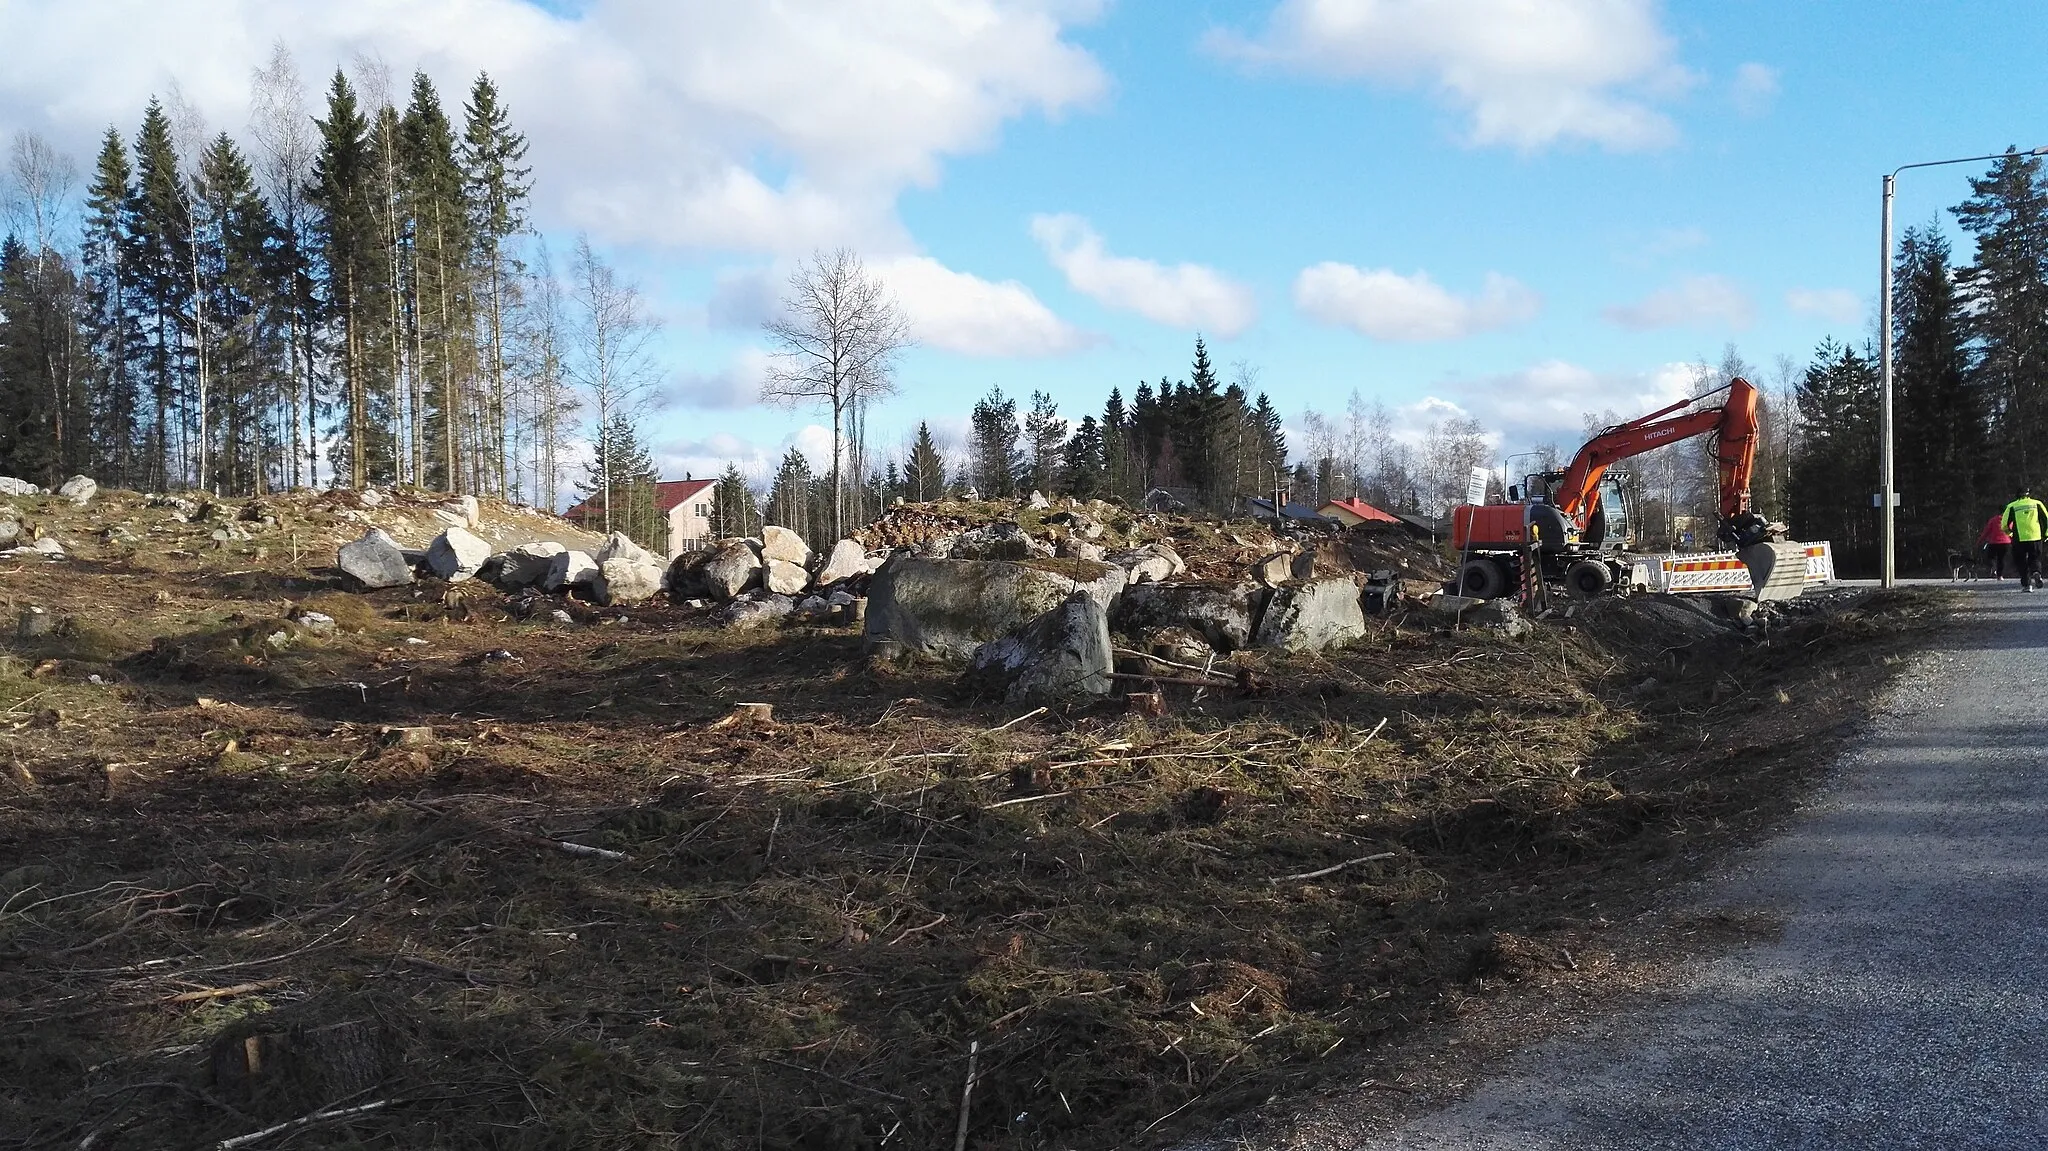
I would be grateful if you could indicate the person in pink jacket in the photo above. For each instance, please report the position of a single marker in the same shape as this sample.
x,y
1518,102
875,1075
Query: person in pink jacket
x,y
1995,543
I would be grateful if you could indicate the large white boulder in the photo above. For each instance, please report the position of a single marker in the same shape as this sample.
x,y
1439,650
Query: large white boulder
x,y
1063,654
785,578
527,564
622,579
79,490
569,569
619,546
950,607
1312,615
848,559
456,554
1152,563
1221,614
9,486
730,570
375,560
779,543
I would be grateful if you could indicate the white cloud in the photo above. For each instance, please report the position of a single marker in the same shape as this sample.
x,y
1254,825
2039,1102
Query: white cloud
x,y
1551,401
1695,301
694,123
1754,89
708,457
964,313
1529,74
1189,296
949,310
1386,305
1837,304
735,386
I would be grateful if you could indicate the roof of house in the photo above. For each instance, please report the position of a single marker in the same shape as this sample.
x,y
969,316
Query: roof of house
x,y
668,494
1362,510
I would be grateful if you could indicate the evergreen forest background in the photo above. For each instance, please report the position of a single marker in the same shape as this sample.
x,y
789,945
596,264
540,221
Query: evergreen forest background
x,y
351,293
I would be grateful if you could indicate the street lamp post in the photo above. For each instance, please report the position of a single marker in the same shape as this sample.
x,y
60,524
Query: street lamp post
x,y
1887,497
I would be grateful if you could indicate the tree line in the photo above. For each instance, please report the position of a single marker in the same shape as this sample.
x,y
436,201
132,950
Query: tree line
x,y
1970,385
345,298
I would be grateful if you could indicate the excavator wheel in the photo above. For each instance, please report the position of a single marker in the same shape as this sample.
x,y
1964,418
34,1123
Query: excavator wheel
x,y
1588,579
1482,579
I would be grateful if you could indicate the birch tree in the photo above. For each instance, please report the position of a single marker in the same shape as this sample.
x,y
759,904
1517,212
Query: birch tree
x,y
837,339
611,355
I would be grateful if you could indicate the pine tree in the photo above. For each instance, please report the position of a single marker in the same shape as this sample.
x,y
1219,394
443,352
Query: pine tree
x,y
1940,461
1045,433
924,473
993,445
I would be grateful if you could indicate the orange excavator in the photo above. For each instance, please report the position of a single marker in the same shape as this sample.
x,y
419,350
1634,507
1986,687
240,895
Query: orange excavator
x,y
1574,523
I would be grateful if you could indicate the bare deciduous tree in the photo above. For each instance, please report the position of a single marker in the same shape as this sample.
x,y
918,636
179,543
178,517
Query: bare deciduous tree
x,y
611,349
41,186
837,338
283,129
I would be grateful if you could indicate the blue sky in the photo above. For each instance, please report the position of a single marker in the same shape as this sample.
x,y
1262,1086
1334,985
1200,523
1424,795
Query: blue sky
x,y
1521,210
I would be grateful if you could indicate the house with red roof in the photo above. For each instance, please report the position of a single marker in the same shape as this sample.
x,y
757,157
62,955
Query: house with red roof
x,y
686,506
1354,512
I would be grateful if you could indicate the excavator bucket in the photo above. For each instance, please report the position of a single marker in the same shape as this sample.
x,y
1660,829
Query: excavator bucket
x,y
1776,570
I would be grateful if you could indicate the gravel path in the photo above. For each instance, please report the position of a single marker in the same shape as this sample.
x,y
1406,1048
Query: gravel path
x,y
1906,1005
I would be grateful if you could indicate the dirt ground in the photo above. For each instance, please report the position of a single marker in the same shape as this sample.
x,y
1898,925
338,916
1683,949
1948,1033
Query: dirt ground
x,y
250,874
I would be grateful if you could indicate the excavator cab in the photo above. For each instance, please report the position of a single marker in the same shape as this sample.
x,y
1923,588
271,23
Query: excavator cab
x,y
1609,525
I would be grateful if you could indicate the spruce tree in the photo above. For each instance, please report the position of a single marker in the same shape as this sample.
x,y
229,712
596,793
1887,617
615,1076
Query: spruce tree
x,y
924,473
1045,434
1834,467
497,189
792,497
733,510
1940,463
2005,293
113,334
437,211
993,445
162,240
618,487
40,365
235,237
346,229
1085,471
1118,473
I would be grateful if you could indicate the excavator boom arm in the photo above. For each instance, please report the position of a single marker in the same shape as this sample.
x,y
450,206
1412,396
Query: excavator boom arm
x,y
1735,422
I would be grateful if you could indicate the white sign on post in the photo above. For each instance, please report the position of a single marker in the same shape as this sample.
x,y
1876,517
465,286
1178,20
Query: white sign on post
x,y
1475,489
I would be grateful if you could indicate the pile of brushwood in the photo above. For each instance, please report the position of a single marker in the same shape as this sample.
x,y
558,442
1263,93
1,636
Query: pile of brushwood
x,y
439,876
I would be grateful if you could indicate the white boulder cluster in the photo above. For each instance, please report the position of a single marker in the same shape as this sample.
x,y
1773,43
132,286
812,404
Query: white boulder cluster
x,y
1035,622
779,566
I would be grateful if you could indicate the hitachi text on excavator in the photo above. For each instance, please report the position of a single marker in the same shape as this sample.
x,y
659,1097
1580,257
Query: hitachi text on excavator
x,y
1574,526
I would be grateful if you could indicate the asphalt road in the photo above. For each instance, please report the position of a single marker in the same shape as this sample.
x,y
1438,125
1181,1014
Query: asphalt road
x,y
1905,1006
